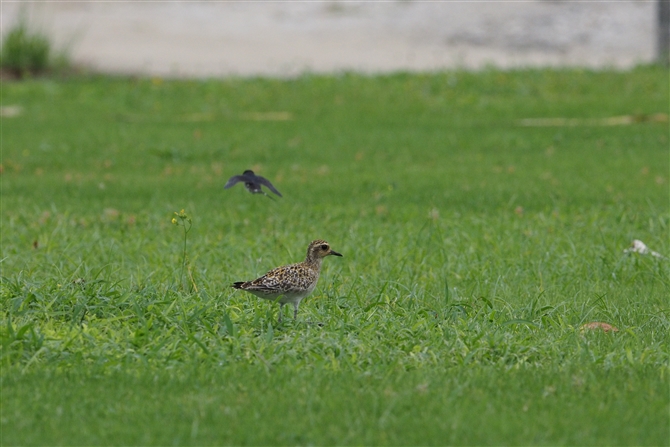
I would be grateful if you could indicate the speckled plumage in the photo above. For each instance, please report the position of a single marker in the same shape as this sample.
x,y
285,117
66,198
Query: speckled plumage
x,y
290,283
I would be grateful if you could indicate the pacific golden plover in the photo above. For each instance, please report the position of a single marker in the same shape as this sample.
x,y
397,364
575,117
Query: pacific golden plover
x,y
252,182
291,282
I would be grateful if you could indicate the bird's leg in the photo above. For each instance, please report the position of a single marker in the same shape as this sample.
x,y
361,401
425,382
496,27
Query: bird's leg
x,y
295,311
268,196
281,307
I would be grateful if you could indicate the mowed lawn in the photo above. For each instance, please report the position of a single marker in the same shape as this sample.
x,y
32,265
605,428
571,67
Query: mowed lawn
x,y
483,219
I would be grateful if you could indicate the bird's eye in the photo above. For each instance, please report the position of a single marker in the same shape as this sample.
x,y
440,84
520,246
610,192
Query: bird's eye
x,y
324,247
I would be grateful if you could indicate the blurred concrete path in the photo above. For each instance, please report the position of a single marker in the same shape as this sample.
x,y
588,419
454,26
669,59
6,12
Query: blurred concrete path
x,y
282,38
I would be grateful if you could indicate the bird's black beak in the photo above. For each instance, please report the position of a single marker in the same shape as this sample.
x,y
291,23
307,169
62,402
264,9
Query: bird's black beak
x,y
332,252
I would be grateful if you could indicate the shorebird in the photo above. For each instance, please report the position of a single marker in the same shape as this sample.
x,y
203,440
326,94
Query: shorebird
x,y
290,283
252,182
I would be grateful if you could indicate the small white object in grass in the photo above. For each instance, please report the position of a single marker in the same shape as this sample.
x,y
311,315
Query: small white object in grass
x,y
637,246
10,111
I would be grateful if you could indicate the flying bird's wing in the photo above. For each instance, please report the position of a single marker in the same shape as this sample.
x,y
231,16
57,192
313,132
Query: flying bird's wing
x,y
234,180
266,182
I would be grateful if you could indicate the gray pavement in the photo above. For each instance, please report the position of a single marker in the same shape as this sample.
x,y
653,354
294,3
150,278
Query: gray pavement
x,y
282,38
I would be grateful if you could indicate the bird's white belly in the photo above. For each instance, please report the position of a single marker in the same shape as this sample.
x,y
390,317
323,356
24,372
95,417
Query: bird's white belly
x,y
295,297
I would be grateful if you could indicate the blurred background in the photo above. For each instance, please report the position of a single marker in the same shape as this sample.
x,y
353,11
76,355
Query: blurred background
x,y
207,39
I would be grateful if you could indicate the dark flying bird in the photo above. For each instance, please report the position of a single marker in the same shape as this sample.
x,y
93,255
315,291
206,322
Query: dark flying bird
x,y
252,182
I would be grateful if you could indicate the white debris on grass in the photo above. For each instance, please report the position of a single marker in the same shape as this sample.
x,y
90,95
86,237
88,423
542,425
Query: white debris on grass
x,y
10,111
637,246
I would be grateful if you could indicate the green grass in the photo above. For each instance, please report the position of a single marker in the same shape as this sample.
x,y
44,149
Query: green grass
x,y
474,249
27,52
